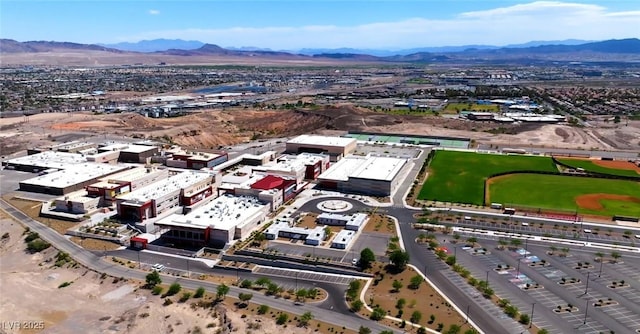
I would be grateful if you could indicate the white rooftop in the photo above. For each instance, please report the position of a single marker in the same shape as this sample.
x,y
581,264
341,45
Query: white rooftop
x,y
129,174
369,167
74,174
50,159
161,188
322,140
225,213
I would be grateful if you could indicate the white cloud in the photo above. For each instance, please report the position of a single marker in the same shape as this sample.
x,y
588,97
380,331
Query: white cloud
x,y
541,20
154,12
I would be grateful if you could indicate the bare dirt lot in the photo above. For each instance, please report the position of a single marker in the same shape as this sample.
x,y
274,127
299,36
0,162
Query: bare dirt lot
x,y
32,292
214,128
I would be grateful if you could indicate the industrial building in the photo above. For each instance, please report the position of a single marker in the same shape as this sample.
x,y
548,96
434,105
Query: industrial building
x,y
195,160
165,196
47,160
282,229
78,202
132,153
107,188
68,147
335,147
270,189
350,222
304,166
368,175
216,223
74,177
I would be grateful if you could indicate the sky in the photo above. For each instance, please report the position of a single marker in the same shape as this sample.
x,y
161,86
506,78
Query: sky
x,y
292,25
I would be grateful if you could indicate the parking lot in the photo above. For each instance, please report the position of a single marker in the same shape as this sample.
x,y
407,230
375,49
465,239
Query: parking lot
x,y
304,275
586,319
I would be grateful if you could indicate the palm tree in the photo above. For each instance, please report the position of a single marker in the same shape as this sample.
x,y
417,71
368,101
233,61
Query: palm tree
x,y
502,244
553,249
599,256
615,256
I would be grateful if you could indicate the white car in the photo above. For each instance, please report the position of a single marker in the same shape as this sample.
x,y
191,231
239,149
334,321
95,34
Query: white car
x,y
355,262
158,267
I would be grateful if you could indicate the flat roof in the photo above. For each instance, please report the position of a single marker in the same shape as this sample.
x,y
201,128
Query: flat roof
x,y
161,188
316,233
129,175
344,237
322,140
74,174
369,167
133,148
224,213
49,159
379,168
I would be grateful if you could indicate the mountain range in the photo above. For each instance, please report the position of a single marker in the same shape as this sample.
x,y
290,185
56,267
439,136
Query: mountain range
x,y
569,50
179,44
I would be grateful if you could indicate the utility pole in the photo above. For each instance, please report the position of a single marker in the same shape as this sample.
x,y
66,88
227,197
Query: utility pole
x,y
601,263
531,317
487,279
467,321
518,270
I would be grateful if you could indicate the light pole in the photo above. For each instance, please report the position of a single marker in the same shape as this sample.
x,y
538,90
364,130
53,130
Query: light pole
x,y
585,312
486,281
296,281
518,270
601,263
587,286
531,317
188,271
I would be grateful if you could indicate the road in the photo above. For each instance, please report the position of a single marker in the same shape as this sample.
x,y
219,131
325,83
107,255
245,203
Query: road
x,y
95,262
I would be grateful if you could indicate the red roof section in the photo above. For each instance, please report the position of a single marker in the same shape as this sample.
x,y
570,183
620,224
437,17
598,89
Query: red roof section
x,y
268,182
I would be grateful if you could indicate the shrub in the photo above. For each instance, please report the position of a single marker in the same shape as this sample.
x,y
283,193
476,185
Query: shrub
x,y
185,297
524,319
262,309
156,290
415,317
356,305
167,302
31,236
282,319
199,292
173,289
64,285
415,282
37,245
246,284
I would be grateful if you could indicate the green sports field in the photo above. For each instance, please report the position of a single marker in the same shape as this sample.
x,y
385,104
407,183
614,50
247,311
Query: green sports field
x,y
560,192
589,166
459,177
454,108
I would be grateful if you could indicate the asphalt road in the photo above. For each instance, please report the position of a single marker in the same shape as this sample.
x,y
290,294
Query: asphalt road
x,y
95,262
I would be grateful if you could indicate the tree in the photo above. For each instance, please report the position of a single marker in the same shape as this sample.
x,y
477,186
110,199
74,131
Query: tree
x,y
400,303
543,331
312,293
245,297
153,279
305,318
364,330
282,319
472,240
615,256
263,309
399,259
199,293
262,281
599,256
272,288
415,317
451,260
173,289
366,258
378,314
415,282
301,294
221,291
616,119
246,284
397,285
356,305
422,330
516,243
453,329
502,243
524,319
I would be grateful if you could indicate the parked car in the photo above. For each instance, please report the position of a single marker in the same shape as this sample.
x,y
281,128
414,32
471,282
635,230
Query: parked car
x,y
158,267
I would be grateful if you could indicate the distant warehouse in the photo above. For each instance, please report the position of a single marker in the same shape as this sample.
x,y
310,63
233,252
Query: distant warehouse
x,y
370,175
72,178
335,147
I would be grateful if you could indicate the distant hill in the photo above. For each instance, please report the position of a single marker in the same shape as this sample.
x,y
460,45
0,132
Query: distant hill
x,y
156,45
610,50
12,46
